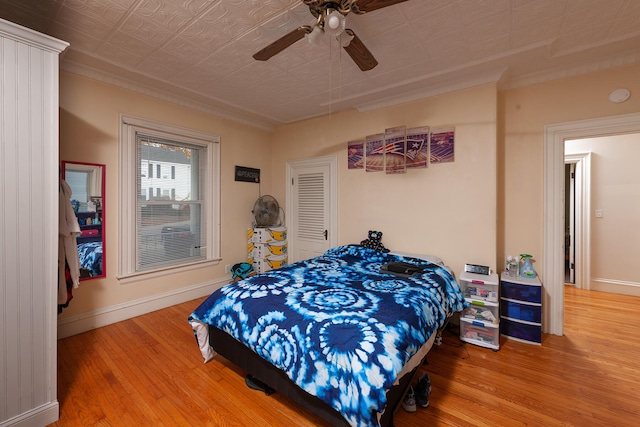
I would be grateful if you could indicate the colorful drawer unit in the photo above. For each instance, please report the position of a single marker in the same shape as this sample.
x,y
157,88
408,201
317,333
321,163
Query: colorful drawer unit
x,y
479,323
521,308
267,248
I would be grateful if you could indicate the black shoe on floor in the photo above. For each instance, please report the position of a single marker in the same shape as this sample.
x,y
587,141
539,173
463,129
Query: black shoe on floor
x,y
409,402
423,390
256,384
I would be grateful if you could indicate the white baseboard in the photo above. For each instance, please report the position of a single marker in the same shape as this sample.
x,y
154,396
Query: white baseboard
x,y
36,417
615,286
73,325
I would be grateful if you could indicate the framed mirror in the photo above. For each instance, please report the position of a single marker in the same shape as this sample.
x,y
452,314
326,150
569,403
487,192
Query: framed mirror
x,y
87,182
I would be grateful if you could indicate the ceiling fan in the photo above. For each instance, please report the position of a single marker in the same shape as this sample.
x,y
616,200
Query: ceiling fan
x,y
331,19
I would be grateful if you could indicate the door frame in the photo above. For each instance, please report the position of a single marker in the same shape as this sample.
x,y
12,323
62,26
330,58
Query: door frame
x,y
553,209
293,166
572,201
582,237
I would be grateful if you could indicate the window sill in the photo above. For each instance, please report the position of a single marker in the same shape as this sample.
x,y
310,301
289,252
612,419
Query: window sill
x,y
152,274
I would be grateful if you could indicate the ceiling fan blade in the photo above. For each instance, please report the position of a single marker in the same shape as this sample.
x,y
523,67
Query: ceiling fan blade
x,y
370,5
282,43
359,52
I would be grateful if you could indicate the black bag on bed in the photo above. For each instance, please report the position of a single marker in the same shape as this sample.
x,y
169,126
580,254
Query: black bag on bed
x,y
403,269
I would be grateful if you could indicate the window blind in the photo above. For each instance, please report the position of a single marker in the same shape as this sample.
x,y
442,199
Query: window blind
x,y
169,221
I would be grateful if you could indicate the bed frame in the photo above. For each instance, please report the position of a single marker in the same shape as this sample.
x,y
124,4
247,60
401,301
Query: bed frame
x,y
232,350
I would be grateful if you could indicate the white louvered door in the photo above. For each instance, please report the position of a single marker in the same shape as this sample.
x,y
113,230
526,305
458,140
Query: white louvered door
x,y
311,208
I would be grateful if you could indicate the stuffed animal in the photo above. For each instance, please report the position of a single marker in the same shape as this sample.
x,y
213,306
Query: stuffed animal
x,y
374,241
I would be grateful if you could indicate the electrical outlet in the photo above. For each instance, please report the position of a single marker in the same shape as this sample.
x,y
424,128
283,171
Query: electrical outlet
x,y
227,268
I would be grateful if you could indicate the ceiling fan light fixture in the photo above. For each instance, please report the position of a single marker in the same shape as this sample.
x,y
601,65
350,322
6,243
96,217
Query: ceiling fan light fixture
x,y
314,35
345,39
334,22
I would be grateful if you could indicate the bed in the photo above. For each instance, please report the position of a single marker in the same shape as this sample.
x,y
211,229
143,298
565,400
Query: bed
x,y
334,333
90,256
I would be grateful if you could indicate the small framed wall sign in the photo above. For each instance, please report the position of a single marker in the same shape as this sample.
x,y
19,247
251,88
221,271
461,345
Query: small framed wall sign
x,y
246,174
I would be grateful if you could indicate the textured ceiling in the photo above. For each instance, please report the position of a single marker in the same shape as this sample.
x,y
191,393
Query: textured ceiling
x,y
199,52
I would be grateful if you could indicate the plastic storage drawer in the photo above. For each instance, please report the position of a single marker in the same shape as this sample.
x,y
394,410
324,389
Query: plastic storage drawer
x,y
479,287
521,311
521,331
480,311
522,292
480,333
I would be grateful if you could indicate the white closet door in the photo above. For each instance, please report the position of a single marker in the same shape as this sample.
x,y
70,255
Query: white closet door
x,y
311,207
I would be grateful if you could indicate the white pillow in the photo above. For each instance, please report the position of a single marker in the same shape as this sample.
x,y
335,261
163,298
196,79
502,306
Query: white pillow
x,y
431,258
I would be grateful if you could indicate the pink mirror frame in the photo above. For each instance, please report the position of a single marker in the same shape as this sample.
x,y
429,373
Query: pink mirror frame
x,y
91,218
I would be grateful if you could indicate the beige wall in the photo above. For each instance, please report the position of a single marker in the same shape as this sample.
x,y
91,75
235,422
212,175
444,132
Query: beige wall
x,y
89,128
485,205
523,114
615,190
516,206
448,209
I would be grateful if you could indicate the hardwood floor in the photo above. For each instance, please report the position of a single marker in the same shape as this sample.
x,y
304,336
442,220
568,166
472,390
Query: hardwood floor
x,y
148,371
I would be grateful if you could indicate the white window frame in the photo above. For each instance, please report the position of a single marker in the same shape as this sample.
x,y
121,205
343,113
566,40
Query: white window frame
x,y
129,127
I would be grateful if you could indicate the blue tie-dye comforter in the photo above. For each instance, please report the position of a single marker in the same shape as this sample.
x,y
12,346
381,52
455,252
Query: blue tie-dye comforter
x,y
338,327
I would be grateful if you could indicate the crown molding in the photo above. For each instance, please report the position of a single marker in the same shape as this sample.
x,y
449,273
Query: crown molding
x,y
573,71
433,86
184,101
400,93
25,35
492,69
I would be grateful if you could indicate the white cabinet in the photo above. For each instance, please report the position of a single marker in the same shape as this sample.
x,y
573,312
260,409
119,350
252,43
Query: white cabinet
x,y
479,323
29,238
521,308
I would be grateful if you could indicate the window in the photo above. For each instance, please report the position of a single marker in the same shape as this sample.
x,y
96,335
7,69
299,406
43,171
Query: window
x,y
78,181
177,225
